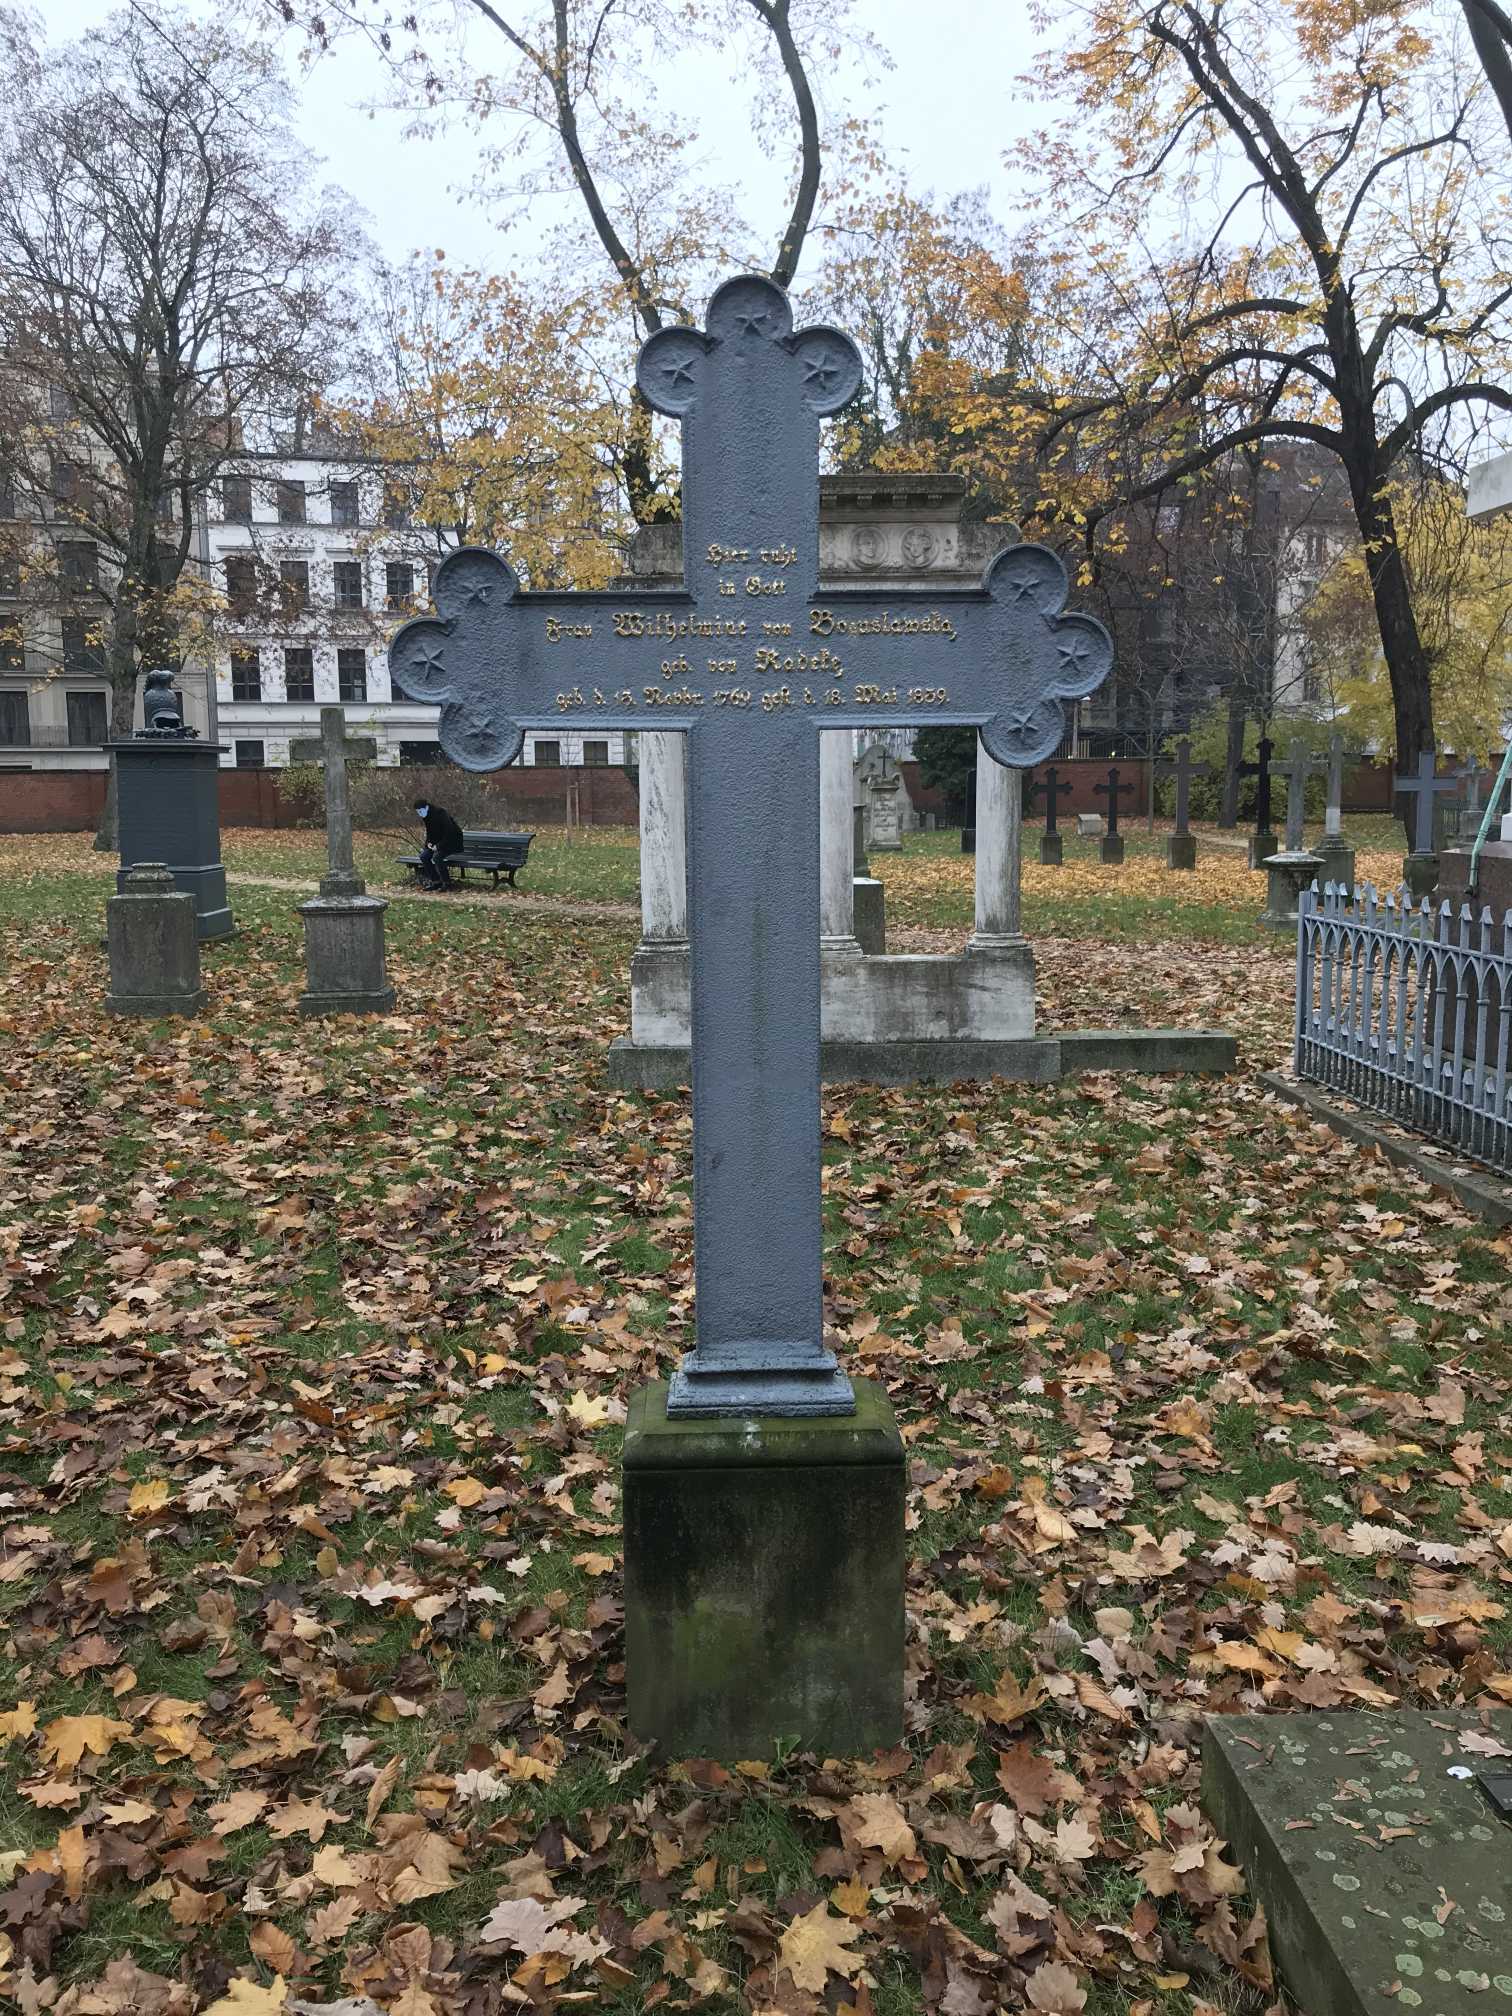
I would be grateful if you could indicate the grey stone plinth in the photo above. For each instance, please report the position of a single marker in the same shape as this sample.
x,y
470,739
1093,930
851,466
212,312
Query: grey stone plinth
x,y
1289,875
1421,873
1262,846
869,908
345,970
764,1580
1051,850
1493,876
1181,850
968,839
1110,850
1034,1060
153,949
1354,1831
660,981
1147,1051
1338,859
168,810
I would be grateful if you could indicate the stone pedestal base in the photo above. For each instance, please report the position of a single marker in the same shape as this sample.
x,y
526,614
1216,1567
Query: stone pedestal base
x,y
1338,859
1289,875
660,998
1051,854
968,839
1493,877
1261,847
154,952
869,909
764,1580
345,973
1110,850
1421,873
1181,850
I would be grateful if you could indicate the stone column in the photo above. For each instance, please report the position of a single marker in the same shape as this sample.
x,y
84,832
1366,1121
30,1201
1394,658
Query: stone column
x,y
659,970
663,839
837,847
999,833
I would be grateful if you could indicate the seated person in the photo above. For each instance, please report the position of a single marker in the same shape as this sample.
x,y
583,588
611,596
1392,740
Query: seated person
x,y
443,836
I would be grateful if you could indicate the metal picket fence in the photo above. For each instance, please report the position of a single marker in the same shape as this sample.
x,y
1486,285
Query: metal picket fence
x,y
1408,1010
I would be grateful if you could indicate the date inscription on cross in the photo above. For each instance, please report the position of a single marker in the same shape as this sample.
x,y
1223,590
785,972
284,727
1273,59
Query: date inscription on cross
x,y
750,661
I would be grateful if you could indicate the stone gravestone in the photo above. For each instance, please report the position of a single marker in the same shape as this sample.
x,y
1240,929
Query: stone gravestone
x,y
168,805
1262,841
1420,868
153,945
868,898
1384,1869
345,971
1051,851
880,781
763,1492
1111,846
1293,869
1337,855
1181,847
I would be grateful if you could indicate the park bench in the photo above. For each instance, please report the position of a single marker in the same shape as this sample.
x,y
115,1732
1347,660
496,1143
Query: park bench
x,y
496,853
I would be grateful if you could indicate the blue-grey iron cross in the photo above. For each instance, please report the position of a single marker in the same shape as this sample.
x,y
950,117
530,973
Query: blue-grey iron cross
x,y
750,661
1425,787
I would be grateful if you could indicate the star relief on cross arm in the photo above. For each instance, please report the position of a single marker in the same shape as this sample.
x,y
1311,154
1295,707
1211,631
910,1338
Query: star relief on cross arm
x,y
458,659
749,323
1036,657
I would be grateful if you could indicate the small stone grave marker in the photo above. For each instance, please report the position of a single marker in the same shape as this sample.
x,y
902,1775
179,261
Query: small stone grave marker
x,y
1384,1870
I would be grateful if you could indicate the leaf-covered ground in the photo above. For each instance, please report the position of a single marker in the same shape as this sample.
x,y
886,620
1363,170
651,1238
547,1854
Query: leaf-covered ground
x,y
314,1345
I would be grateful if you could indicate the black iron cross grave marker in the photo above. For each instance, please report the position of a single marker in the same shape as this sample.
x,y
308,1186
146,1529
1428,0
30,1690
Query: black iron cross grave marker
x,y
1183,770
1263,843
1426,786
1112,790
750,662
1052,787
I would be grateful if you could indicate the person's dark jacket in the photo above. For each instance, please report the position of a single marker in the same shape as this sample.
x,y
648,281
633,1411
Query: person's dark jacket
x,y
442,831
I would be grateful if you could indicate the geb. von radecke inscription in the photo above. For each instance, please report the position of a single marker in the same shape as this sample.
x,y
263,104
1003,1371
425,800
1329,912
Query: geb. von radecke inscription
x,y
750,660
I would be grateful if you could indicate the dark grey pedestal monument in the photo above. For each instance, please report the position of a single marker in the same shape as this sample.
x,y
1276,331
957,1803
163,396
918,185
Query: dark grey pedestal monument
x,y
775,1608
168,810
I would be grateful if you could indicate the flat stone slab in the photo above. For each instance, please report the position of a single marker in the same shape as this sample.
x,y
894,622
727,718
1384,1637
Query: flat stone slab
x,y
947,1060
1384,1870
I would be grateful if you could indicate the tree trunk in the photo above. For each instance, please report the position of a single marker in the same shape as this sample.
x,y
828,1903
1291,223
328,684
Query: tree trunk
x,y
1233,756
122,664
1492,49
1406,660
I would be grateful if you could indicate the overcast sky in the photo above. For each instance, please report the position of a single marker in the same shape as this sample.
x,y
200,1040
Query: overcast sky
x,y
949,121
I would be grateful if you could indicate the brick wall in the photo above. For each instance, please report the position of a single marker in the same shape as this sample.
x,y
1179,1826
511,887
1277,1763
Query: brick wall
x,y
71,801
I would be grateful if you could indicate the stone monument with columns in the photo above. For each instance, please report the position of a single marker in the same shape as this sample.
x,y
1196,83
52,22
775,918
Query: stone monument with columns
x,y
886,1018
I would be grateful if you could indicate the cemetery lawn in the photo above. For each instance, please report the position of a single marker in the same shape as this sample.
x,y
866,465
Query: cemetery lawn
x,y
315,1342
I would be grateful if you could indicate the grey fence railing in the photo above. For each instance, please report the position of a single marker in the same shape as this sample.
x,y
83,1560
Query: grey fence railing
x,y
1408,1010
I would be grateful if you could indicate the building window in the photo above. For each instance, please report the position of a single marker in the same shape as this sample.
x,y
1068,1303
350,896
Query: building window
x,y
399,584
236,500
1315,545
595,752
68,486
15,721
86,720
299,673
10,574
432,568
547,752
291,502
344,504
421,755
12,645
78,563
250,756
396,510
241,584
348,582
351,674
60,405
246,675
7,494
294,586
80,652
